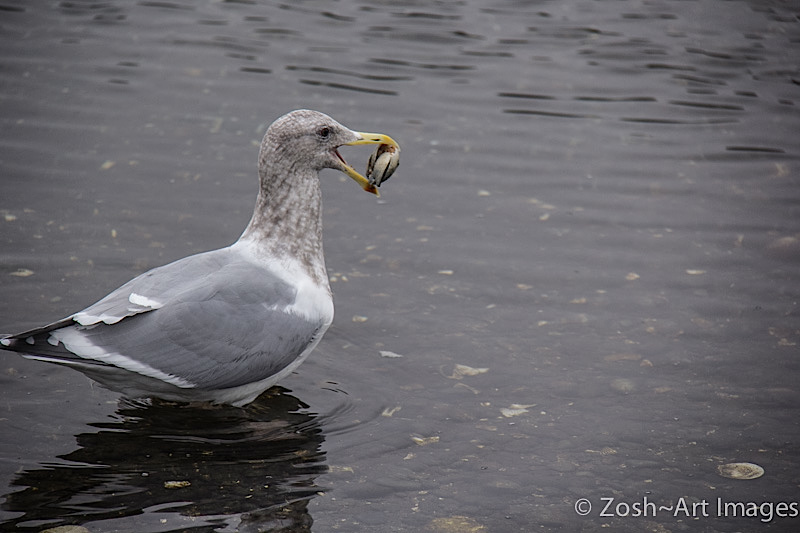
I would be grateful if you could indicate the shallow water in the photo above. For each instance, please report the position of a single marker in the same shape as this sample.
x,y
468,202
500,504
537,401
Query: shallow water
x,y
588,262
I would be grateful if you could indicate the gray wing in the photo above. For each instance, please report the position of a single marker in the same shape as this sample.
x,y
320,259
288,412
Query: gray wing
x,y
208,321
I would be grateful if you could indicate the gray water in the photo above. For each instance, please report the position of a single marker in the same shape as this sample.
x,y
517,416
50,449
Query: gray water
x,y
588,262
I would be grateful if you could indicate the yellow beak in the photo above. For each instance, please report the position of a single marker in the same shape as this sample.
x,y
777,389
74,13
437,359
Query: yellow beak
x,y
367,138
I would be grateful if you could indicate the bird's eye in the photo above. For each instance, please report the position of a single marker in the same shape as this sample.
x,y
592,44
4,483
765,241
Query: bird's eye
x,y
324,132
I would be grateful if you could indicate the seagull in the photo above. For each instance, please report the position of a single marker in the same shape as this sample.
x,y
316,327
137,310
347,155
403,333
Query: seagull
x,y
225,325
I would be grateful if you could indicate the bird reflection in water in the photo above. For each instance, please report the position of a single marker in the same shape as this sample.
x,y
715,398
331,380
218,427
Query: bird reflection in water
x,y
198,468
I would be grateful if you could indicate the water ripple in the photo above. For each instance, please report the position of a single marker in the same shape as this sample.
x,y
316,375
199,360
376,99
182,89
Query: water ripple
x,y
356,88
341,72
756,149
556,114
422,65
707,105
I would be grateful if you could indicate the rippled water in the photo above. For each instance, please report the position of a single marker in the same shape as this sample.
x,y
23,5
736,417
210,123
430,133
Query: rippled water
x,y
582,282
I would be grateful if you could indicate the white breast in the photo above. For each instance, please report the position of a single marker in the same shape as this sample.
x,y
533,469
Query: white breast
x,y
313,301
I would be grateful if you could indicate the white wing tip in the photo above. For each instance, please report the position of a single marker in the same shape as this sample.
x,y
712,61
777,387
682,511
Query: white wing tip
x,y
144,301
85,319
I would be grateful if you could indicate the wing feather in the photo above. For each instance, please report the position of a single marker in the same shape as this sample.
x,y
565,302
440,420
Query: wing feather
x,y
209,321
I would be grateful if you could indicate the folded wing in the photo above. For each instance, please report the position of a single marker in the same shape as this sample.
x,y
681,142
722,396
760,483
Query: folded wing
x,y
209,321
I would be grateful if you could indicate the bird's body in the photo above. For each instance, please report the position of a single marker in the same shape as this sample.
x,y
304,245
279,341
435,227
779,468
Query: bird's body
x,y
225,325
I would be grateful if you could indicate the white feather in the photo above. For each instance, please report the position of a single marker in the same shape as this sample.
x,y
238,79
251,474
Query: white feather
x,y
144,301
77,343
313,300
85,319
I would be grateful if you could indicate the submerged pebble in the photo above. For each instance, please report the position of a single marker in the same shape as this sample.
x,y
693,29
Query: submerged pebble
x,y
176,484
623,385
460,371
424,441
456,524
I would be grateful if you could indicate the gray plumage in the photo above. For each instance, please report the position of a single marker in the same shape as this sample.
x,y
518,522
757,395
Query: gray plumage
x,y
223,325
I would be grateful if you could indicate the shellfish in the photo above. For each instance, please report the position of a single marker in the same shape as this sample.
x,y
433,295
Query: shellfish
x,y
382,163
740,470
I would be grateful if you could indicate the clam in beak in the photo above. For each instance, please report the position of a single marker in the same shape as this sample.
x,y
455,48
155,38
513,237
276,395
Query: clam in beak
x,y
367,138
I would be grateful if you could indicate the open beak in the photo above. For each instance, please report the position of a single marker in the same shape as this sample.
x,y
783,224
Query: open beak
x,y
366,138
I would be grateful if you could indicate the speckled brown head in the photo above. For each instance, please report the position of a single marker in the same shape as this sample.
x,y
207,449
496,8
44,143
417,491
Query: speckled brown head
x,y
287,218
